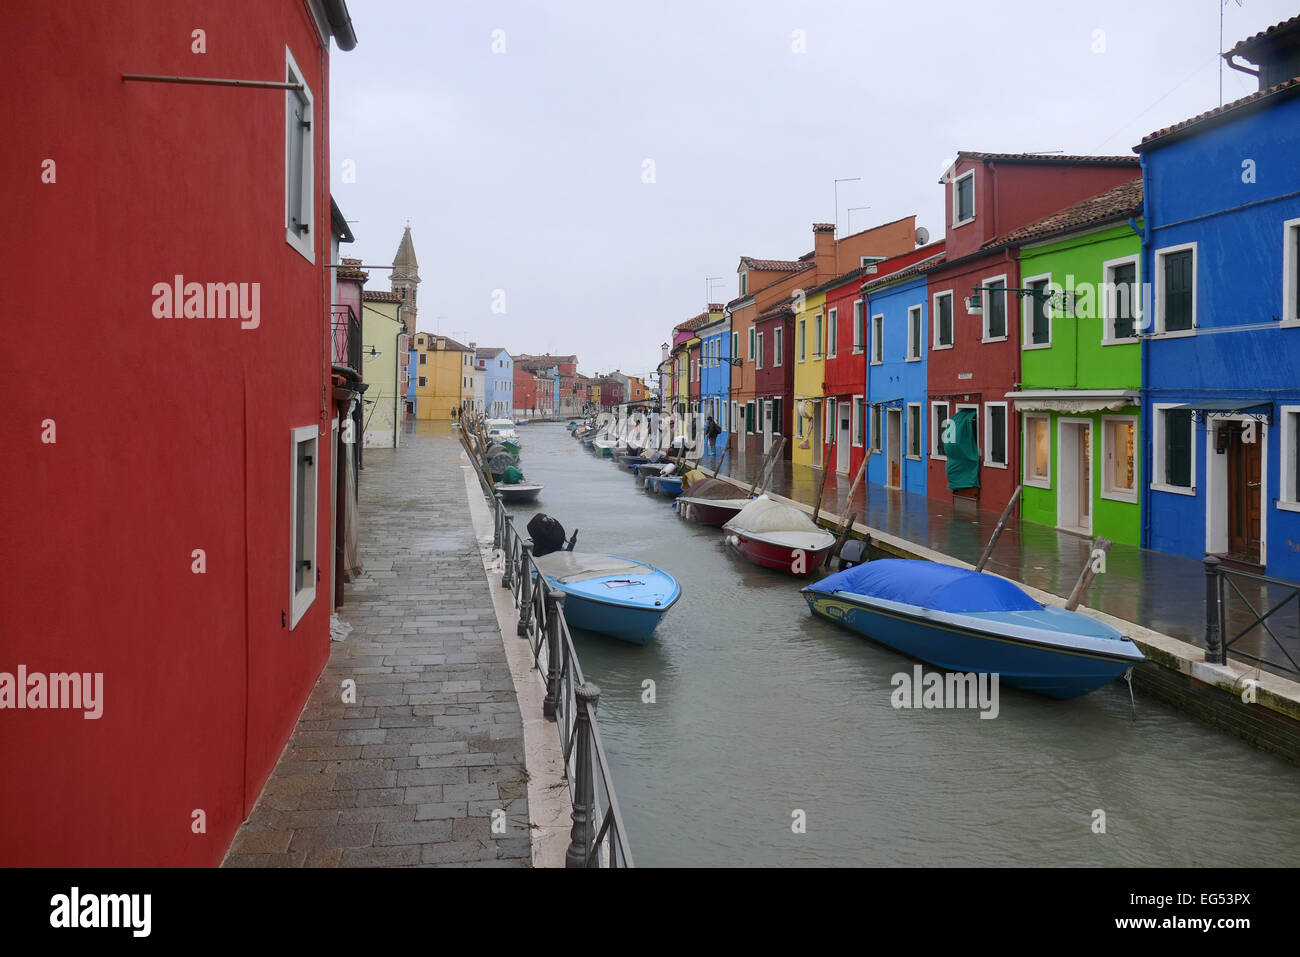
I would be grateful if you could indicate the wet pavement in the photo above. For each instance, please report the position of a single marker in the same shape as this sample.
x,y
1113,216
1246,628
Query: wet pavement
x,y
1160,591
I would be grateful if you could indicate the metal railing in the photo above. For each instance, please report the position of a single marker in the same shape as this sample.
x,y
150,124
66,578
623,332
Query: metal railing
x,y
598,837
1218,581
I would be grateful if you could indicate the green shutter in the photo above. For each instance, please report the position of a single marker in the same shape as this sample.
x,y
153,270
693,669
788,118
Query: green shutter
x,y
1125,278
1178,448
1178,291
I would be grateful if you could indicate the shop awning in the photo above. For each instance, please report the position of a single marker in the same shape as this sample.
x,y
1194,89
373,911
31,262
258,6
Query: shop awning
x,y
1074,400
1255,409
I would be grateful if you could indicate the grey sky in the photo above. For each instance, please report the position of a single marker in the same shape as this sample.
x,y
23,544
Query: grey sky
x,y
522,170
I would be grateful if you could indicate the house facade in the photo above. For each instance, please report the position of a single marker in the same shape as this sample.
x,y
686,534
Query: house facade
x,y
499,371
808,427
715,376
384,363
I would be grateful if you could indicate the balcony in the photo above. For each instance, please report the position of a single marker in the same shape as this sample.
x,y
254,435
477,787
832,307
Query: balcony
x,y
345,338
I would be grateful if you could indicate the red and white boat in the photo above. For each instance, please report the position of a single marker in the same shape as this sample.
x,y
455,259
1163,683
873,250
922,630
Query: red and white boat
x,y
712,502
780,536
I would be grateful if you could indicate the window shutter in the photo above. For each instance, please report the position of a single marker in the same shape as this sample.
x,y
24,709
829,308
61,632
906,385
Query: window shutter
x,y
1178,447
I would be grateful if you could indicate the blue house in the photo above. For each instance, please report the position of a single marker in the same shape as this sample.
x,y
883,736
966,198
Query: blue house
x,y
897,320
1221,330
715,377
498,383
412,380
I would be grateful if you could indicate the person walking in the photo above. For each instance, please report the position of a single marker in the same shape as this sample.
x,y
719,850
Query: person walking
x,y
711,432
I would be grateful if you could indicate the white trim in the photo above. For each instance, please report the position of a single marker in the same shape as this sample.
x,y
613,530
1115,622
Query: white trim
x,y
1027,458
1156,483
301,600
858,425
877,341
907,425
877,437
1130,496
802,338
1290,435
956,205
1216,488
934,319
984,312
1108,298
859,319
1063,422
1027,304
778,346
1290,240
832,332
1006,435
1159,285
936,428
819,335
914,350
305,245
758,361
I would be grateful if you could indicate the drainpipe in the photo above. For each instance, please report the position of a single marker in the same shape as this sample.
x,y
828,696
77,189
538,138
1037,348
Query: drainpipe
x,y
1148,451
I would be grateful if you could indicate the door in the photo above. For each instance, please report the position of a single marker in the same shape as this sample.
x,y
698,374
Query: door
x,y
844,411
767,425
1244,471
1074,510
894,446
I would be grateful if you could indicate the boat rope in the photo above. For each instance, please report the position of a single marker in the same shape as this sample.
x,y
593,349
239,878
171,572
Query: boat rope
x,y
1128,679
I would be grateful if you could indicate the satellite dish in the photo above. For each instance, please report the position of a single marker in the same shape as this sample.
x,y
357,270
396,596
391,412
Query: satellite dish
x,y
922,235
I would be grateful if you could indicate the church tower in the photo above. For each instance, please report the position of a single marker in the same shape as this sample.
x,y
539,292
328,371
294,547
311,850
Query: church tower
x,y
406,277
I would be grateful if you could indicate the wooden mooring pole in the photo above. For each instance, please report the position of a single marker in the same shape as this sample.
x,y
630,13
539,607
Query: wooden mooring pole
x,y
1096,558
997,531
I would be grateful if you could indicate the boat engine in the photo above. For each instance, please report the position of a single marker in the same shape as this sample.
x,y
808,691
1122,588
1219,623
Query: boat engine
x,y
854,552
547,534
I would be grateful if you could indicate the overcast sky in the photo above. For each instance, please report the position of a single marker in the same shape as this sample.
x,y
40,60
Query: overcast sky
x,y
524,170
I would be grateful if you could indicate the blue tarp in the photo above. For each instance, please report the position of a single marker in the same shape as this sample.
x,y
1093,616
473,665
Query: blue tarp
x,y
928,585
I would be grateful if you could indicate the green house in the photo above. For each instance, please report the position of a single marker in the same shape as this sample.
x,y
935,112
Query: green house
x,y
1080,385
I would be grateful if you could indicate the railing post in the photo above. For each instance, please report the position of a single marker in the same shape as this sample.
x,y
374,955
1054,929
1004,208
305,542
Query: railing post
x,y
508,543
554,611
581,837
1214,650
525,587
498,505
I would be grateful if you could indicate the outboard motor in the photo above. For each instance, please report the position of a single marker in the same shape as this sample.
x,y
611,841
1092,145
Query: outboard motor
x,y
853,553
547,534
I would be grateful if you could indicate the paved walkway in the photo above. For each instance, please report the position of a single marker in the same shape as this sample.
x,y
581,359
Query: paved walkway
x,y
411,774
1161,591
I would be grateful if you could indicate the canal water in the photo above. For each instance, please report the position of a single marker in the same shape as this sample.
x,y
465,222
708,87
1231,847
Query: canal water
x,y
762,711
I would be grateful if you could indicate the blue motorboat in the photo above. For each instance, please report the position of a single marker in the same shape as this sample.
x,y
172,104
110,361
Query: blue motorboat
x,y
967,621
619,597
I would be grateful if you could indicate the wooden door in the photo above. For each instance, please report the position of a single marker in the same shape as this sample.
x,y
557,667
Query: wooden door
x,y
1244,493
894,435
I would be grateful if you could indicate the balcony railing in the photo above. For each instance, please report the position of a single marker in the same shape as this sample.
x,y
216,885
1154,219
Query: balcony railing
x,y
345,337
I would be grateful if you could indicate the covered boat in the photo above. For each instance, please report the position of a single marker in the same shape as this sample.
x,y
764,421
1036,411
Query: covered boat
x,y
776,535
515,488
499,430
967,621
615,596
712,501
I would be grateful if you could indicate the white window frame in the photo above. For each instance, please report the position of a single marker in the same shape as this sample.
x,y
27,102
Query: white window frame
x,y
752,349
1108,299
819,335
1289,420
735,344
856,425
1290,240
1027,304
304,243
986,311
1129,496
830,422
758,361
936,428
301,600
988,432
914,341
956,204
1026,454
935,345
778,346
798,426
876,436
803,339
859,327
1156,483
908,430
1158,286
877,339
832,333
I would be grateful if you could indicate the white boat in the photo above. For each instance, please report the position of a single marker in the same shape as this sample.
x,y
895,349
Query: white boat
x,y
498,429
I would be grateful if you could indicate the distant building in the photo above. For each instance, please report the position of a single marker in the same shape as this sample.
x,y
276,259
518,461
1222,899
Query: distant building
x,y
385,361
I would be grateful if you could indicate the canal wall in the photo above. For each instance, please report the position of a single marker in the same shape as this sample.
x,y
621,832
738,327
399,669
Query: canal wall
x,y
1257,706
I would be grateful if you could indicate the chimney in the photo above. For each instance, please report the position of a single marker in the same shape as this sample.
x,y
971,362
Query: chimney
x,y
824,249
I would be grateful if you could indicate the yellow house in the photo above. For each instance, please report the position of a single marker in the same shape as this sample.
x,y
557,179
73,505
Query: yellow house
x,y
809,379
384,360
445,376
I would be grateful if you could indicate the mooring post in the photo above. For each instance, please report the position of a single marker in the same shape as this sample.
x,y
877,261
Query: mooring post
x,y
554,611
525,587
1214,650
499,510
508,544
581,837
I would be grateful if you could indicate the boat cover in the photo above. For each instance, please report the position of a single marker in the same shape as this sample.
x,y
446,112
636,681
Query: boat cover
x,y
928,585
512,476
579,566
715,488
501,461
766,515
963,465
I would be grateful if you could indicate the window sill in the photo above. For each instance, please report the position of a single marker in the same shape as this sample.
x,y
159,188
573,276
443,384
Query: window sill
x,y
1128,498
995,465
938,458
962,222
912,359
1174,489
1038,483
996,339
1177,334
1287,506
1132,340
1028,346
914,458
858,350
939,348
877,362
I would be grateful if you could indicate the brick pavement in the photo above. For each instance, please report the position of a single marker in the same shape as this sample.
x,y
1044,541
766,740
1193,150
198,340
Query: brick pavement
x,y
411,773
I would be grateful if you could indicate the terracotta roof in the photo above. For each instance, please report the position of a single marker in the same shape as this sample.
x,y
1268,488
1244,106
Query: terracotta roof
x,y
823,227
1049,158
349,269
715,307
771,265
1118,202
776,312
453,345
376,295
908,272
1286,26
693,323
1246,103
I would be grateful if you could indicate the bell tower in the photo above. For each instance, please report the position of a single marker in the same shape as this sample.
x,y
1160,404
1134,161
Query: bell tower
x,y
406,277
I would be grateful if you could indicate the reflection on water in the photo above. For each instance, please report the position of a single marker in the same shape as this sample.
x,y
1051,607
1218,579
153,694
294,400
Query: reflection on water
x,y
762,709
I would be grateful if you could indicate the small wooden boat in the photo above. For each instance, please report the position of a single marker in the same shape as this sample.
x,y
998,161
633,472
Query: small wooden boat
x,y
604,446
619,597
512,493
710,511
966,621
776,535
669,486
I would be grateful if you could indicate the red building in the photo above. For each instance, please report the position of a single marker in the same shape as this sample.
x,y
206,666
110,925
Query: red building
x,y
774,372
973,359
169,519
